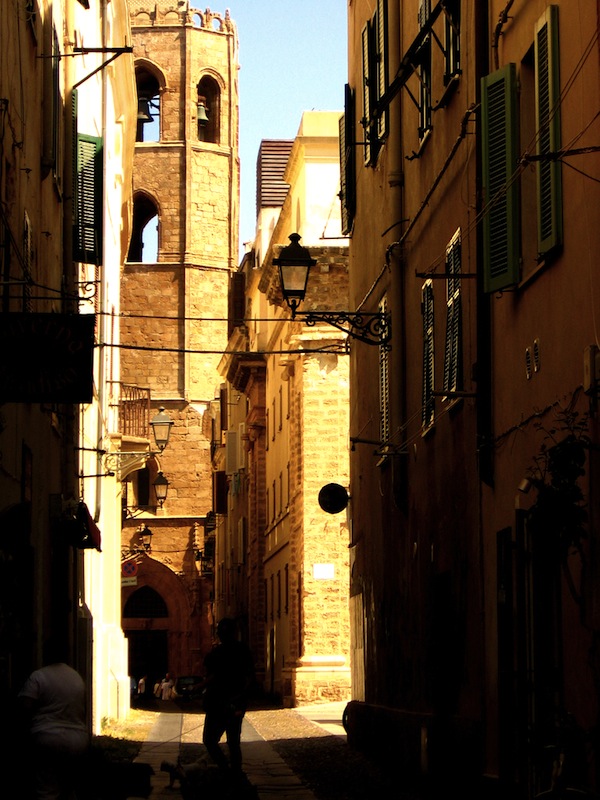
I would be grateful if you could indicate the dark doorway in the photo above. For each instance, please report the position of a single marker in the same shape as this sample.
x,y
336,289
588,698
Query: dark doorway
x,y
148,655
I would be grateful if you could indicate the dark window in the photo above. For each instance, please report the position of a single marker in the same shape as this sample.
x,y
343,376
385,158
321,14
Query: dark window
x,y
208,108
143,487
143,246
149,106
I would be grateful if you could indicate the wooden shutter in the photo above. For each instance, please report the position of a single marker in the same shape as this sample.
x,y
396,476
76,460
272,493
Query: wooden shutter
x,y
236,301
88,220
384,387
382,65
347,162
428,354
500,190
366,118
453,349
547,109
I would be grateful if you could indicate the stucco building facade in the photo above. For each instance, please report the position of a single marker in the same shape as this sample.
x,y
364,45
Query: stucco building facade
x,y
470,145
66,154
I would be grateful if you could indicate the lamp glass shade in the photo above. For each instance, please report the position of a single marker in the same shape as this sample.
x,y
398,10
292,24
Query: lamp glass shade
x,y
294,264
146,536
161,426
294,278
161,487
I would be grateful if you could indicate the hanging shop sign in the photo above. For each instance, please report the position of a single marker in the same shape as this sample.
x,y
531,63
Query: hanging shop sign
x,y
46,358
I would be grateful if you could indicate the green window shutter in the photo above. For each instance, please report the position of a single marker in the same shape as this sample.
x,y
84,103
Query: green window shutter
x,y
88,217
453,349
547,108
382,64
500,191
347,162
428,401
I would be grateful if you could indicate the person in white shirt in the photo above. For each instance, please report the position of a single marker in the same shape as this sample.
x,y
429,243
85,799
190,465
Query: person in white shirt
x,y
54,701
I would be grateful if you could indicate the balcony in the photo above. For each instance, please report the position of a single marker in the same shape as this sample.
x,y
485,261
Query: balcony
x,y
134,411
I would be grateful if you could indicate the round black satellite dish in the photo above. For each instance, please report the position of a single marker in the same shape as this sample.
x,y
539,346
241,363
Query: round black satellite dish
x,y
333,498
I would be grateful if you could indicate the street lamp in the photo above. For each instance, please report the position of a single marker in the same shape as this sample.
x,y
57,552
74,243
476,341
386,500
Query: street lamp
x,y
146,537
161,427
294,264
161,487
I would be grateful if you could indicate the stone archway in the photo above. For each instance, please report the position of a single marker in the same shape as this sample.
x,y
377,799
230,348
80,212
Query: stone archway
x,y
168,639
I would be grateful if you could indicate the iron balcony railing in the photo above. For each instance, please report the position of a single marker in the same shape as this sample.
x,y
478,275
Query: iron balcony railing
x,y
134,411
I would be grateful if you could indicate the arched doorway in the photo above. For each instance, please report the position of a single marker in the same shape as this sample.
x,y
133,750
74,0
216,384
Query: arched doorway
x,y
161,620
148,648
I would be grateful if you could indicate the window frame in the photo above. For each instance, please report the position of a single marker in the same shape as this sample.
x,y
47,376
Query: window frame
x,y
374,82
548,139
453,377
347,162
500,156
428,397
424,75
452,63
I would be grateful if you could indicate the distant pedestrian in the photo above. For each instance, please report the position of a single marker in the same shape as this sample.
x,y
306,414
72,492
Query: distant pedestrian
x,y
229,673
141,687
166,687
53,700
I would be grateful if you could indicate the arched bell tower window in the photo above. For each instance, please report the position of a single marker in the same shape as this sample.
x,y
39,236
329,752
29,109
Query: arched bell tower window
x,y
148,118
208,110
143,247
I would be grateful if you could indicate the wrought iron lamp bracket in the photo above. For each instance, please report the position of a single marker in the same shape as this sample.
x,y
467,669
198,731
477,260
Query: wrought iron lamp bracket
x,y
370,328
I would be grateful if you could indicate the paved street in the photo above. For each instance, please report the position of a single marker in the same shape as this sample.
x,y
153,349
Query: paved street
x,y
289,754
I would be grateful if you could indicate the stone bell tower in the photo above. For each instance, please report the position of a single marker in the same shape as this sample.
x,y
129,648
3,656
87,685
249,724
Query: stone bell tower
x,y
174,292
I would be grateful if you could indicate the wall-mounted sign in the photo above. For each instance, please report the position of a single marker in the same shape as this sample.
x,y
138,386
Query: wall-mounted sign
x,y
333,498
323,572
46,358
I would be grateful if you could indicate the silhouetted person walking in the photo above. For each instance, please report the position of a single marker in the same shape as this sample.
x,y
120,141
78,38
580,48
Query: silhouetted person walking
x,y
229,672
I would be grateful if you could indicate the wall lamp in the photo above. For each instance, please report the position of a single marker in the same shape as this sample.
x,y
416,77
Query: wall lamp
x,y
161,487
161,424
294,264
144,537
126,460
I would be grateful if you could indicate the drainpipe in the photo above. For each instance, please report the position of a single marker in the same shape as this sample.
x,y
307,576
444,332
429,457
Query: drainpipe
x,y
502,20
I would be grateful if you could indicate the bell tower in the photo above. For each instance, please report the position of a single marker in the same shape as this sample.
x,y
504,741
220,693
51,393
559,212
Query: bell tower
x,y
174,290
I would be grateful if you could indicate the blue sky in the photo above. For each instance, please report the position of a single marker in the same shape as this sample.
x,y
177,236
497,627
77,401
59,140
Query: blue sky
x,y
293,58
